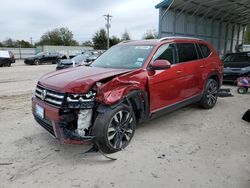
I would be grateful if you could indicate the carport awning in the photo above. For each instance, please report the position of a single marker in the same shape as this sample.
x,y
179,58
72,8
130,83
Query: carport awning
x,y
230,11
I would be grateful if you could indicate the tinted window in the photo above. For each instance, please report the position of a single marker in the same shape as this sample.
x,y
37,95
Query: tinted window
x,y
186,52
244,57
199,51
166,52
205,50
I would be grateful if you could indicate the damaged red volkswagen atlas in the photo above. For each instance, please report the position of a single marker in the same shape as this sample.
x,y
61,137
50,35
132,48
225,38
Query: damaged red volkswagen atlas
x,y
132,82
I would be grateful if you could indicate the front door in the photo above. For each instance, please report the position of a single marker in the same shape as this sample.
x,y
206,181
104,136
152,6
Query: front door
x,y
164,85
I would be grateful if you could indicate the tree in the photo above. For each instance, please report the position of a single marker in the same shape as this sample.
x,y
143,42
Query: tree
x,y
100,40
88,43
1,45
24,44
59,36
150,34
114,40
247,35
10,43
125,36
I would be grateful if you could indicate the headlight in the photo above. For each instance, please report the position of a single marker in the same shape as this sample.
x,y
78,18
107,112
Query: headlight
x,y
86,101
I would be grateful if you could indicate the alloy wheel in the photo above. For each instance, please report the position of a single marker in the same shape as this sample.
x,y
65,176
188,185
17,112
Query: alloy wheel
x,y
212,92
120,130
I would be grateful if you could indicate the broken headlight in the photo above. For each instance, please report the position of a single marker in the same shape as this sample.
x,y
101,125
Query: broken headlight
x,y
86,101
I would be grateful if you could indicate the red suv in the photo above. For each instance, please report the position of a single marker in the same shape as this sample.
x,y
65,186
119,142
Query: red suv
x,y
132,82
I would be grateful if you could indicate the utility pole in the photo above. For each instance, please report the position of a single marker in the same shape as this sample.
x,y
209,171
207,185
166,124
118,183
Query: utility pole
x,y
108,19
31,40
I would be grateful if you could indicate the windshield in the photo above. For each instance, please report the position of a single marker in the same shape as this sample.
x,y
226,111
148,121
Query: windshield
x,y
244,57
80,58
124,57
41,53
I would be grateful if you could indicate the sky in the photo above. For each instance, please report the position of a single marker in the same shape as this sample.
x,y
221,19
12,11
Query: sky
x,y
23,19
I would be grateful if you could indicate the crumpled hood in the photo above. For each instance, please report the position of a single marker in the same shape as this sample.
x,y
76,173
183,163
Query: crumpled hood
x,y
77,80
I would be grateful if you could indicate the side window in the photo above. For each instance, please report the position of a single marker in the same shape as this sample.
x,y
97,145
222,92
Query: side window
x,y
166,52
205,50
198,49
187,52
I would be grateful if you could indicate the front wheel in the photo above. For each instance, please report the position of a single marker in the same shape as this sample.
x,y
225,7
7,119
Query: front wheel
x,y
210,94
114,129
37,62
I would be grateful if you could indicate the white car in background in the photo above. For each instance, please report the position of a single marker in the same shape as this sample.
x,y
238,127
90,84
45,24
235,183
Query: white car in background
x,y
6,58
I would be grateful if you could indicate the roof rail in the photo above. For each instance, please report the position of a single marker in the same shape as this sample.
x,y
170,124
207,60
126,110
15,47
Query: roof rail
x,y
126,41
178,37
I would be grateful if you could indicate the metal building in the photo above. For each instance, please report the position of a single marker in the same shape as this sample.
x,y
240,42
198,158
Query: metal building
x,y
221,22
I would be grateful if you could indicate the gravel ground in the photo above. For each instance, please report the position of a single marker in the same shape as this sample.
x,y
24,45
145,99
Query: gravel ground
x,y
187,148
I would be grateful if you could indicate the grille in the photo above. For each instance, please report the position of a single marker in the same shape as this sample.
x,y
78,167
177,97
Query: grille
x,y
49,96
46,124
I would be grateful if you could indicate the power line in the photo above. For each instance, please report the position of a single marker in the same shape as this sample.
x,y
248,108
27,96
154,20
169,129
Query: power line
x,y
108,25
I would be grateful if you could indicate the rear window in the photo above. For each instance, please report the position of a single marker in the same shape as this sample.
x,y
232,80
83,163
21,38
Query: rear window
x,y
187,52
205,50
244,57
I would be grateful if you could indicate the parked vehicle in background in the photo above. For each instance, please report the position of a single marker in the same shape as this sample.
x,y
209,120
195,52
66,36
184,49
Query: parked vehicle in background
x,y
132,82
236,65
6,58
78,60
76,54
44,57
92,58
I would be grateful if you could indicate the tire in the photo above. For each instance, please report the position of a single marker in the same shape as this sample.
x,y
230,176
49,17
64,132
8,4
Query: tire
x,y
242,90
37,62
7,64
114,129
210,95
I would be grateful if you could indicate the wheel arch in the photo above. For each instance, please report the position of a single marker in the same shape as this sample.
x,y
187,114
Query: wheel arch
x,y
137,100
215,76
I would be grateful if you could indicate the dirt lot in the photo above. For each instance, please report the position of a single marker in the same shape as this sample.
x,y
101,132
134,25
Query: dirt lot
x,y
187,148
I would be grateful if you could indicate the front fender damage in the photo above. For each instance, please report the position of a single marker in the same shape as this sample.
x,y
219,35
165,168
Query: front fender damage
x,y
123,89
115,90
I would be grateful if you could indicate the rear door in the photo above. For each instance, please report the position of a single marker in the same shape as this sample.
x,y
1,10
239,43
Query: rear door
x,y
192,66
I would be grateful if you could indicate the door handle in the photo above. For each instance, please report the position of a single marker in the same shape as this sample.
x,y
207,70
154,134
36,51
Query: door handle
x,y
202,66
178,72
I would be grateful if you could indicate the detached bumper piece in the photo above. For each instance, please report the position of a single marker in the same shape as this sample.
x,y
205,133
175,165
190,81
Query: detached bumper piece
x,y
225,93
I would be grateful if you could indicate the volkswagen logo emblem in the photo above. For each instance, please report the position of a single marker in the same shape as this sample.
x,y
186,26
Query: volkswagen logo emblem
x,y
43,94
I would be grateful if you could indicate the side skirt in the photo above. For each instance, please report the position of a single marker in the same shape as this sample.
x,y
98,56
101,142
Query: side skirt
x,y
176,106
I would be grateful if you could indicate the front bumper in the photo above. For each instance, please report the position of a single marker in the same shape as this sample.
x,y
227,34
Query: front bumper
x,y
232,76
54,123
29,62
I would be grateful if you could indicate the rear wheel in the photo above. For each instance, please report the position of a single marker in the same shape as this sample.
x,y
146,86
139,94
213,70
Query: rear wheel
x,y
210,94
114,129
242,90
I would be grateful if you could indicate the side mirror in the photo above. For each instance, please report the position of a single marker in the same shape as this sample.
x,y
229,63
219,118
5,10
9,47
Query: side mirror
x,y
160,65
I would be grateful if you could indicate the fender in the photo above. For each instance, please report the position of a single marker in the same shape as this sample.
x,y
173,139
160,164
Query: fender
x,y
214,74
137,100
115,90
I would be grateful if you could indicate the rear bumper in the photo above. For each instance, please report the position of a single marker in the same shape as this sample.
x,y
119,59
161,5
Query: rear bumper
x,y
53,123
